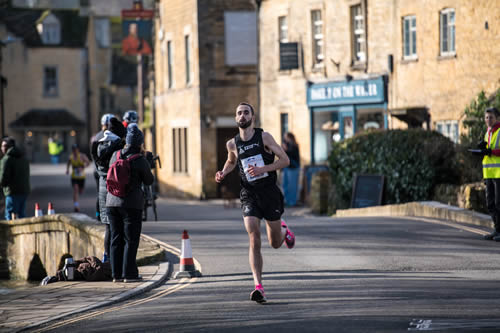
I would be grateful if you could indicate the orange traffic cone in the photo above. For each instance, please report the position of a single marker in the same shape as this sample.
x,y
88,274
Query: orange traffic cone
x,y
50,210
38,211
187,267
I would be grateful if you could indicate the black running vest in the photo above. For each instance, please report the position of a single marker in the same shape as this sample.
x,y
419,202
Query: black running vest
x,y
252,152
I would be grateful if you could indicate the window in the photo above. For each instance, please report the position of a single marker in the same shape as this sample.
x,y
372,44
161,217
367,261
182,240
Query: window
x,y
283,29
50,30
449,128
50,86
447,32
240,38
409,37
358,34
169,64
188,59
103,32
284,124
180,146
317,37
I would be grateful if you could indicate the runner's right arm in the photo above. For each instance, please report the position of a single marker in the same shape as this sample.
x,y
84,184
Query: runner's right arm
x,y
230,162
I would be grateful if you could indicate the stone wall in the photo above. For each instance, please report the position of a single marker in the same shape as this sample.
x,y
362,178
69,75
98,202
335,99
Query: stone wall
x,y
48,238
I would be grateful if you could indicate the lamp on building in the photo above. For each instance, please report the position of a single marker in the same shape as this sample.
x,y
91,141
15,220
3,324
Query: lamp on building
x,y
3,81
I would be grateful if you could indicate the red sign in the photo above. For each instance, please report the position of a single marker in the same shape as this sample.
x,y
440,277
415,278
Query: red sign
x,y
134,14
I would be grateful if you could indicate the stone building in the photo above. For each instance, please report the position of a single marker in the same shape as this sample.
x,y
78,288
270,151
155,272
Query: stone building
x,y
205,64
334,68
324,70
46,88
444,54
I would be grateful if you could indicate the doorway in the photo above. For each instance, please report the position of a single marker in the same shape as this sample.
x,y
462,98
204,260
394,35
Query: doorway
x,y
230,187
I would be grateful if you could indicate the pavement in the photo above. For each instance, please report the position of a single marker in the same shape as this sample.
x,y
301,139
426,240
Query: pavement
x,y
60,300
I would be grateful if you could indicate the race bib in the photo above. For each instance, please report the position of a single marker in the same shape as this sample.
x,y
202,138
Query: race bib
x,y
255,160
78,172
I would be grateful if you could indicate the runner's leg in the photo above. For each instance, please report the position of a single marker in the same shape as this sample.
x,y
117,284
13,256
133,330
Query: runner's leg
x,y
252,225
275,233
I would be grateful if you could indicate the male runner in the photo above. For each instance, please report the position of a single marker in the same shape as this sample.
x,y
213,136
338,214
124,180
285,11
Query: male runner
x,y
254,151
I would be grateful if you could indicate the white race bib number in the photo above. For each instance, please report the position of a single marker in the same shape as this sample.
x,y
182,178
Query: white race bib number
x,y
255,160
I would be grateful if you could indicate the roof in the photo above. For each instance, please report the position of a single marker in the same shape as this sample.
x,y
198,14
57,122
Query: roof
x,y
22,22
40,118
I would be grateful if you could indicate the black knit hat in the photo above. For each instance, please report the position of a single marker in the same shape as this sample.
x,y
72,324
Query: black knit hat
x,y
117,127
134,135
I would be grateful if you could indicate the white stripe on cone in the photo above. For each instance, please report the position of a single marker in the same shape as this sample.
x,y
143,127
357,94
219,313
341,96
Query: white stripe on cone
x,y
38,211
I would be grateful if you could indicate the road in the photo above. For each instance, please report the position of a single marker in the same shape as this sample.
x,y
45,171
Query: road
x,y
344,275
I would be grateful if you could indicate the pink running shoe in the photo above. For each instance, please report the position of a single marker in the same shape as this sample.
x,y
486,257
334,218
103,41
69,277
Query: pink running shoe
x,y
258,294
289,237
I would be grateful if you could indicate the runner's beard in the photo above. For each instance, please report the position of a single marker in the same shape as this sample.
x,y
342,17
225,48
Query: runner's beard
x,y
244,124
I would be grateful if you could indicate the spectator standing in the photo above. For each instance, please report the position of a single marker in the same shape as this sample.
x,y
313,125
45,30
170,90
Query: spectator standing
x,y
130,117
491,169
125,213
112,141
78,161
55,150
14,178
105,119
291,173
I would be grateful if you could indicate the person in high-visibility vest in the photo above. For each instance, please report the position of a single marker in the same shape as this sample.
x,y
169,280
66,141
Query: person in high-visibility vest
x,y
490,149
55,149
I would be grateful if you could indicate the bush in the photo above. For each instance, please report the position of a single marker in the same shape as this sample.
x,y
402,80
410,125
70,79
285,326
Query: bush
x,y
413,162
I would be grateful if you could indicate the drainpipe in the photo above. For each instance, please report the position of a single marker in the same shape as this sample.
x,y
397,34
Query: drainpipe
x,y
259,3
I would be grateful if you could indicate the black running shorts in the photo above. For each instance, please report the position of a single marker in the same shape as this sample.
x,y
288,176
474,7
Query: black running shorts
x,y
266,203
79,182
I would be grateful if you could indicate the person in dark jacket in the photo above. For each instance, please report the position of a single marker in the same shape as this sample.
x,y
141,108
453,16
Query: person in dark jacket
x,y
94,142
112,140
125,213
14,178
291,172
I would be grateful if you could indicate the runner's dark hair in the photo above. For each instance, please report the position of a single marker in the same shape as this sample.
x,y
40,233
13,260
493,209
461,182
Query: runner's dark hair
x,y
249,105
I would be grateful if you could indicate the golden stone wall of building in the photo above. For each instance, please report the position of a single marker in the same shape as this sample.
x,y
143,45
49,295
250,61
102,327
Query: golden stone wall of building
x,y
24,69
213,94
179,106
99,75
286,91
446,85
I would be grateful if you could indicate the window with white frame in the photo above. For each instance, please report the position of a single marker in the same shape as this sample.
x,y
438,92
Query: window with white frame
x,y
180,149
449,128
50,84
410,37
447,32
188,58
283,29
358,34
50,30
317,37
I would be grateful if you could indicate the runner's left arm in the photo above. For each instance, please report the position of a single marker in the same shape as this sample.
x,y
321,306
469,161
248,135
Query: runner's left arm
x,y
282,162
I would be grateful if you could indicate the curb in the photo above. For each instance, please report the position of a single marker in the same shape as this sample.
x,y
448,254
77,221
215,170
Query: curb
x,y
429,209
164,270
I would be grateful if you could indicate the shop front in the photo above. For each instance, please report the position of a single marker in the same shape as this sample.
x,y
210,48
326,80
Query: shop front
x,y
341,109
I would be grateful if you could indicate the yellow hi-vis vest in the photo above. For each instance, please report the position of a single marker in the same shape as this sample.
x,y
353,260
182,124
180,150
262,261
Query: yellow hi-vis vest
x,y
491,164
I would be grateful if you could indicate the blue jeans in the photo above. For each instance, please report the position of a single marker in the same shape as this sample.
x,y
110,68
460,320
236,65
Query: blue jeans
x,y
126,226
290,185
15,204
54,159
